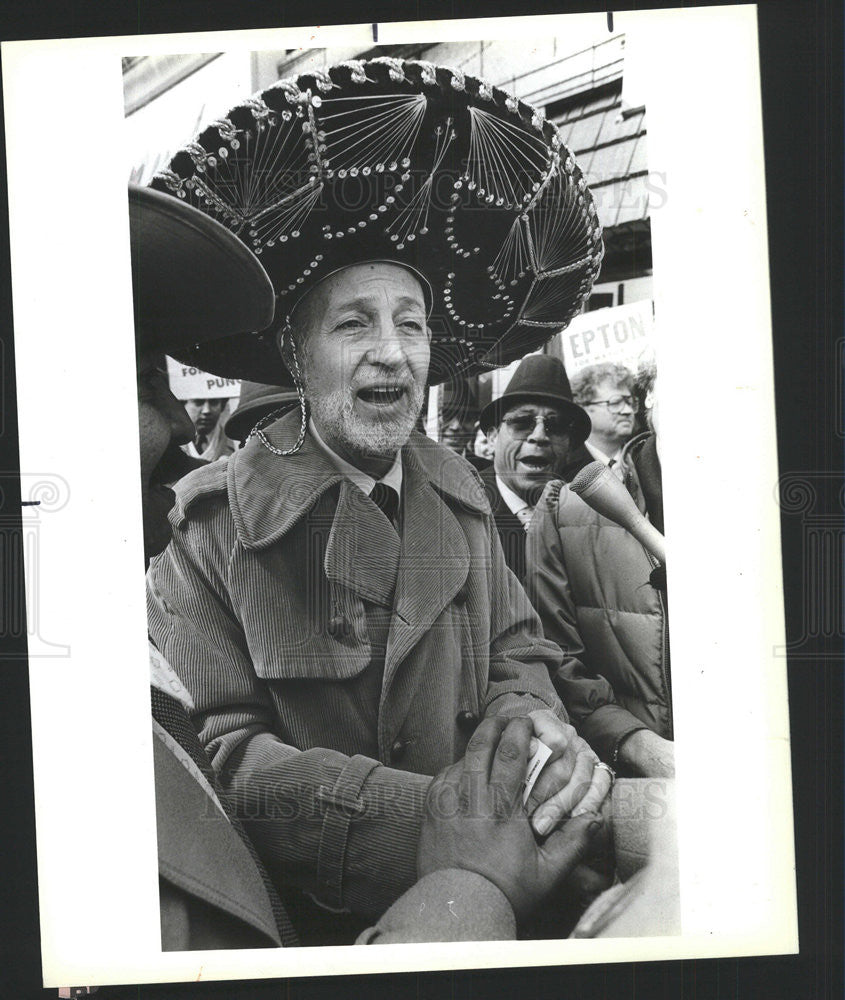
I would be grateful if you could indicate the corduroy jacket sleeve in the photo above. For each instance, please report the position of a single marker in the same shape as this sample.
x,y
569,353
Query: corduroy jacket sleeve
x,y
344,829
587,696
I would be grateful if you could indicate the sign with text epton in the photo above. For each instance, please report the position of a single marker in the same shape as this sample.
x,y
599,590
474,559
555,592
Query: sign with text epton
x,y
621,334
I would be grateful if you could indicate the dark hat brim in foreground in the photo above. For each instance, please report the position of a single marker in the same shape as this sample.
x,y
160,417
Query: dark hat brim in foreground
x,y
193,280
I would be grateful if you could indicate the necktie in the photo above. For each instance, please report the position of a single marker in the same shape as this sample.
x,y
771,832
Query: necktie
x,y
387,500
525,516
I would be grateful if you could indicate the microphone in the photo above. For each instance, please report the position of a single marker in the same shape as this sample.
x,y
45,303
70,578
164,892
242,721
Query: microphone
x,y
600,489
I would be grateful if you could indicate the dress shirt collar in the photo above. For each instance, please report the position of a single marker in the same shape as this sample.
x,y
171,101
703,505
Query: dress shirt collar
x,y
600,456
392,478
514,502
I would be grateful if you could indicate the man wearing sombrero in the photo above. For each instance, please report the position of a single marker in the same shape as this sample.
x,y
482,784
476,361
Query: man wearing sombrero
x,y
335,596
476,871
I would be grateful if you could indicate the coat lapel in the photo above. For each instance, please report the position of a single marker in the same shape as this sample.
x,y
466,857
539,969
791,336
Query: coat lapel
x,y
433,566
362,553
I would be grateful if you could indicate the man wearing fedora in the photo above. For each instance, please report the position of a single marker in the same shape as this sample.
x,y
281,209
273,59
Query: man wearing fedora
x,y
257,401
476,872
534,426
335,597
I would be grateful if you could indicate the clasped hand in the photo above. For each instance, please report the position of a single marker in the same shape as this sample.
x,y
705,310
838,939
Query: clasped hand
x,y
569,784
475,820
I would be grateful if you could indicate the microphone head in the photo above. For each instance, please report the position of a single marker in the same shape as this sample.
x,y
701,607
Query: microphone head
x,y
586,477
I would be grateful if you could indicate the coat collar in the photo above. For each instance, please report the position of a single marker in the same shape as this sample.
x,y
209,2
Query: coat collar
x,y
269,494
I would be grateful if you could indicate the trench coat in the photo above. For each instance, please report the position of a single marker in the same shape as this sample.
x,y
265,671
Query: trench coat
x,y
265,603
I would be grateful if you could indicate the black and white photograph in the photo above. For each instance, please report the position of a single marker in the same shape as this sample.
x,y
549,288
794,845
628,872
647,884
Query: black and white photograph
x,y
397,329
342,606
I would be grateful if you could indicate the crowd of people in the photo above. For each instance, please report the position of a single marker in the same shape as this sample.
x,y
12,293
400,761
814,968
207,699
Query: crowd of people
x,y
364,640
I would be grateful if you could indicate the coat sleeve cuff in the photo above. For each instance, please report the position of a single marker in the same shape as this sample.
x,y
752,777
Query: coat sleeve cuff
x,y
341,804
606,728
516,698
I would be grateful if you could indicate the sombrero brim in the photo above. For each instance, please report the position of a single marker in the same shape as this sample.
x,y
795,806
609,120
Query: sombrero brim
x,y
493,412
193,280
405,162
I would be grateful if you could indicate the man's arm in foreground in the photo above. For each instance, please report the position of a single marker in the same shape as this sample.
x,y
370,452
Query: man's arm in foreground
x,y
341,828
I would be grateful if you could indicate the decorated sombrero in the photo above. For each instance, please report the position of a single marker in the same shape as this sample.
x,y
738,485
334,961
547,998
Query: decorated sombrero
x,y
409,162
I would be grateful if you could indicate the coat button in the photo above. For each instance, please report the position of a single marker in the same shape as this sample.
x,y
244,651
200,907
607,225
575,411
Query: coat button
x,y
338,627
467,721
397,751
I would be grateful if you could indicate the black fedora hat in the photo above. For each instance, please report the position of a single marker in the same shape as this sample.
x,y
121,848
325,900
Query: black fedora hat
x,y
257,401
540,378
192,279
410,163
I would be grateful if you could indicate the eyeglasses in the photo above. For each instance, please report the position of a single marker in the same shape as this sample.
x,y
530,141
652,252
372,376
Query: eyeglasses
x,y
523,424
616,404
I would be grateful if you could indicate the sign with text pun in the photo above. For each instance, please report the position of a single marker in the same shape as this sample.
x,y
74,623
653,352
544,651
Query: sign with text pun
x,y
192,383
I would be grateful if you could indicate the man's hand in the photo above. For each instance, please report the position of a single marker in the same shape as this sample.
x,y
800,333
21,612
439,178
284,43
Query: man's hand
x,y
570,783
644,754
474,820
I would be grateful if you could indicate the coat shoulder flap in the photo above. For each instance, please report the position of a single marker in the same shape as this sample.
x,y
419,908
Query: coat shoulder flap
x,y
202,484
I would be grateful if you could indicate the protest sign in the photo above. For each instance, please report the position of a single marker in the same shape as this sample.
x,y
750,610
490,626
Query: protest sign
x,y
621,334
192,383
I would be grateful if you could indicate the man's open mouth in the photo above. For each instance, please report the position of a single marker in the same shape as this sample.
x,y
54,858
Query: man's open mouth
x,y
382,395
535,463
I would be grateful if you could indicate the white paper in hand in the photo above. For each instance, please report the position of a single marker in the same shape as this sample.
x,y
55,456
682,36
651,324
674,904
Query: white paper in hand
x,y
535,766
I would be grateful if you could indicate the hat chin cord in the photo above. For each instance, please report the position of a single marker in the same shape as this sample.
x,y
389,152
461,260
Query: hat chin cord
x,y
257,431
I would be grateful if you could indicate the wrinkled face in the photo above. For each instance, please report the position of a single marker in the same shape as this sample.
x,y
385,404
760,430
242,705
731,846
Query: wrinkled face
x,y
204,413
530,447
163,425
363,350
615,428
457,432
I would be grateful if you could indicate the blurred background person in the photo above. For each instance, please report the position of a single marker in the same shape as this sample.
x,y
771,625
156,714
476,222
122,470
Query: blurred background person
x,y
256,402
602,597
532,428
606,391
210,441
481,446
459,412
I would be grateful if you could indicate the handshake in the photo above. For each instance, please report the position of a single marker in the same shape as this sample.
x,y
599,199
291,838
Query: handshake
x,y
482,816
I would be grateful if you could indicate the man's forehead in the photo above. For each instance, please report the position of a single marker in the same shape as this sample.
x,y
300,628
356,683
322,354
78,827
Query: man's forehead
x,y
611,385
367,280
372,280
533,408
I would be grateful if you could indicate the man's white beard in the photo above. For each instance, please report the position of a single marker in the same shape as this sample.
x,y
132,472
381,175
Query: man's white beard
x,y
335,414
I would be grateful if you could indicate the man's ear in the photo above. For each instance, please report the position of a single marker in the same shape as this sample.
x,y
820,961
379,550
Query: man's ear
x,y
491,436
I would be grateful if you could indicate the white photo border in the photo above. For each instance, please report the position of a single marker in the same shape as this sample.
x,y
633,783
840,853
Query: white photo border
x,y
74,343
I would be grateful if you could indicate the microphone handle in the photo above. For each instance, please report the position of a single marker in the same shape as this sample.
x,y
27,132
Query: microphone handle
x,y
626,514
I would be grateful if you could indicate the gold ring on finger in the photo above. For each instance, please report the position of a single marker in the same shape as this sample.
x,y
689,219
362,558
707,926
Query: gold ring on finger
x,y
600,765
